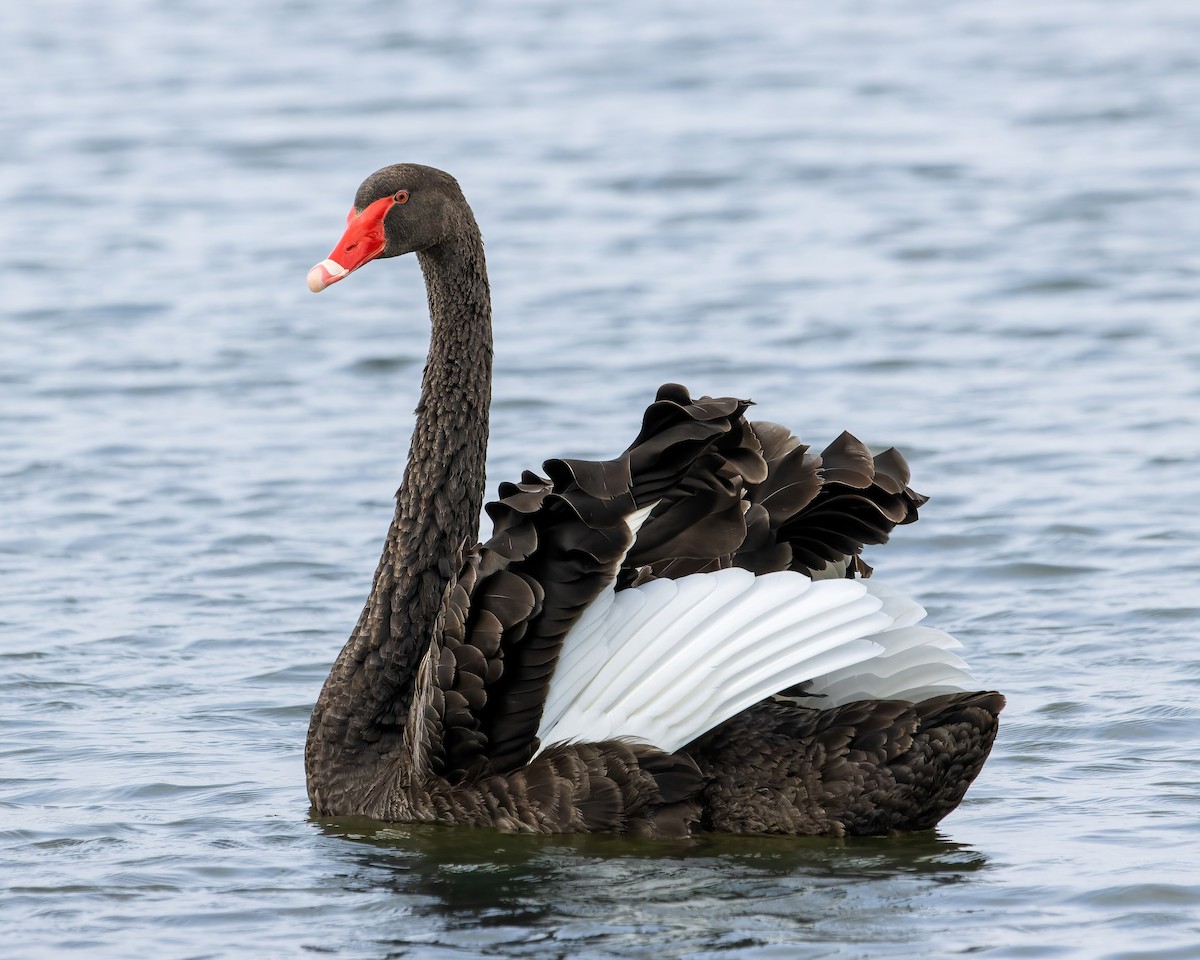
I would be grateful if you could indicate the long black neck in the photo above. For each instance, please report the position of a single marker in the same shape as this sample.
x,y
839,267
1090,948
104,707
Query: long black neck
x,y
438,504
358,721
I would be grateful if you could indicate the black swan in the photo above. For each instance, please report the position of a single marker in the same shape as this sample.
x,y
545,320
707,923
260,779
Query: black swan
x,y
681,639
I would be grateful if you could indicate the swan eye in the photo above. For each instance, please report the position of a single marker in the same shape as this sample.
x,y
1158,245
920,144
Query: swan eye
x,y
400,196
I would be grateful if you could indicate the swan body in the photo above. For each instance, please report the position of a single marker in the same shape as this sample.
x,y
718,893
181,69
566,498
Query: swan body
x,y
682,638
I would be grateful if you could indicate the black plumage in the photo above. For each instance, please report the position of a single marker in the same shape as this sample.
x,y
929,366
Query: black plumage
x,y
431,711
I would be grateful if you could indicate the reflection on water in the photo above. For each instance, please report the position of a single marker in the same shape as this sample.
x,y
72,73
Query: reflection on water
x,y
465,850
509,891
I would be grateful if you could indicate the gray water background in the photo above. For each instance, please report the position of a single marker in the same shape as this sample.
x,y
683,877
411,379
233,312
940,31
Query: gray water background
x,y
969,230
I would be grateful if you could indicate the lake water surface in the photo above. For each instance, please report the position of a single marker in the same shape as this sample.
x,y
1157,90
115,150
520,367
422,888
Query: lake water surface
x,y
971,230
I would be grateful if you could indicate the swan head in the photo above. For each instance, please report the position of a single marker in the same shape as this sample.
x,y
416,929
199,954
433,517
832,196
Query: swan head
x,y
404,208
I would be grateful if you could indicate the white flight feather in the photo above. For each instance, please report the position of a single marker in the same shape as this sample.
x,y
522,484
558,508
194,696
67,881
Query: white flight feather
x,y
635,520
668,660
751,665
915,662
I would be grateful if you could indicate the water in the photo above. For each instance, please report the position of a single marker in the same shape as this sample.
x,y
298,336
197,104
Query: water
x,y
969,230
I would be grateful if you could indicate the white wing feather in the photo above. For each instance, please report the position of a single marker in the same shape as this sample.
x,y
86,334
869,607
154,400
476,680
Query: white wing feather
x,y
666,661
915,661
